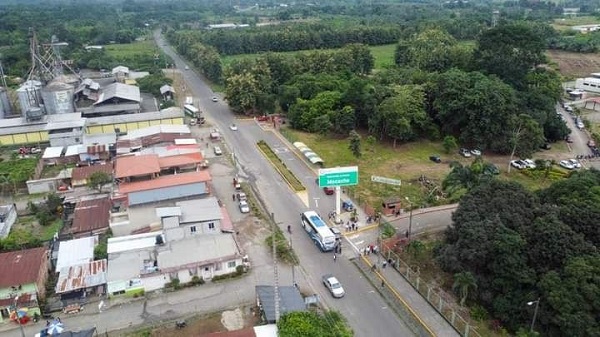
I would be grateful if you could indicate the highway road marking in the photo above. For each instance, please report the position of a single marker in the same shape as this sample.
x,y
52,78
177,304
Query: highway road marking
x,y
371,291
316,202
359,242
384,307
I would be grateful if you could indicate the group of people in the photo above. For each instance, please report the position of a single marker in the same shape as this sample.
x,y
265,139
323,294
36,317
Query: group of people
x,y
351,226
370,249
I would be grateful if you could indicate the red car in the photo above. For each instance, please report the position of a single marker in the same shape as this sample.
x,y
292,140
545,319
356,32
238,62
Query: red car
x,y
329,190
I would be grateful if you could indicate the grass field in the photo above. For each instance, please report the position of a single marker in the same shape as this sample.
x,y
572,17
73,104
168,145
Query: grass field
x,y
567,23
384,55
126,50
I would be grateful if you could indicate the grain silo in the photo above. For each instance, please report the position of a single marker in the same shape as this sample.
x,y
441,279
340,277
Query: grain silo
x,y
58,98
29,95
5,108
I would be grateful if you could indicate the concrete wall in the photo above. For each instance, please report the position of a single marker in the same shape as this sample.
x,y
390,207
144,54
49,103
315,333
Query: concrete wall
x,y
43,185
9,220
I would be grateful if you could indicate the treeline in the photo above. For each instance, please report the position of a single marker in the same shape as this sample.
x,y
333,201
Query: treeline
x,y
579,43
281,38
486,96
508,246
204,57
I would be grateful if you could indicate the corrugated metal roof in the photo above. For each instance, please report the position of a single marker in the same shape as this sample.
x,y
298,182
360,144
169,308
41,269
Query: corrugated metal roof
x,y
290,300
172,112
76,252
81,173
180,160
165,181
166,88
132,242
120,69
177,192
52,152
21,266
82,276
119,90
91,215
156,129
132,166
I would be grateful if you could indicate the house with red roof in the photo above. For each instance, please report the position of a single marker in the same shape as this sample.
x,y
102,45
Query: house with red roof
x,y
23,275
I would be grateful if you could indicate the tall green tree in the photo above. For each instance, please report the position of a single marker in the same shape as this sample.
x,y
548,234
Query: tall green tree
x,y
510,51
464,283
97,180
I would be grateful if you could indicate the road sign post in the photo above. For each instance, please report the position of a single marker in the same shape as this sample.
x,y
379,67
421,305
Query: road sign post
x,y
338,177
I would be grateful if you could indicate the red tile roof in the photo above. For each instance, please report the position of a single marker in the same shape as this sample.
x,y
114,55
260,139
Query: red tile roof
x,y
131,166
21,267
91,215
165,181
82,173
180,160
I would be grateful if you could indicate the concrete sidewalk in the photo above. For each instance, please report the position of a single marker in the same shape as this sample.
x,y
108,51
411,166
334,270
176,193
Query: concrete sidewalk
x,y
404,292
398,290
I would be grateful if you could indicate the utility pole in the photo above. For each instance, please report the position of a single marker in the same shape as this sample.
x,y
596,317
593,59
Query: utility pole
x,y
275,272
410,216
293,262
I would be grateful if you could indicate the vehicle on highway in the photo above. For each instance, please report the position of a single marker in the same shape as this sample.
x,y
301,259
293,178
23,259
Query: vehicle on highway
x,y
569,109
244,208
569,139
576,164
476,152
435,158
241,196
233,127
329,190
214,99
566,164
218,151
465,152
187,68
519,164
318,230
333,285
191,110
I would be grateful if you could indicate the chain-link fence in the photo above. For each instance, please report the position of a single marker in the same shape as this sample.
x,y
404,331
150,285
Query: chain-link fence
x,y
435,296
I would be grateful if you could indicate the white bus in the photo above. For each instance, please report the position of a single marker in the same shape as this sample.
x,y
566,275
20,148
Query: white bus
x,y
191,110
318,230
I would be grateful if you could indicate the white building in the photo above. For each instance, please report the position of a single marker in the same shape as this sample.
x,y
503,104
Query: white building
x,y
590,84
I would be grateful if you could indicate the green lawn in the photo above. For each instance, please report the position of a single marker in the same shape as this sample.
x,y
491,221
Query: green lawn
x,y
131,49
384,55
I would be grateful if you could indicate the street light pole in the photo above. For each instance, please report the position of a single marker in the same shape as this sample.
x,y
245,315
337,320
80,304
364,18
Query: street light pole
x,y
17,315
535,311
409,219
293,262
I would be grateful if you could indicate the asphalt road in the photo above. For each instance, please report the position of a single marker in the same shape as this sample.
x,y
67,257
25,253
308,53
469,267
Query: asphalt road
x,y
580,139
366,311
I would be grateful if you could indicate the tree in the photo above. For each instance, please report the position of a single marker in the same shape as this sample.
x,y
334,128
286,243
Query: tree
x,y
429,50
510,51
97,180
449,144
311,323
464,282
355,145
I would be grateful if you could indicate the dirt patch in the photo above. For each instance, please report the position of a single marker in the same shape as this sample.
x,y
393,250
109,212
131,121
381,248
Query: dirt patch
x,y
573,65
200,325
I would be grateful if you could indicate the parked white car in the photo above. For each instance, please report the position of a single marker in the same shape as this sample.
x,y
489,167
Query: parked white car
x,y
519,164
476,152
244,208
566,164
465,153
218,151
575,163
529,163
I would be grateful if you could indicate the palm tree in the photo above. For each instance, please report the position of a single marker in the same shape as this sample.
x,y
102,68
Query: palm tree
x,y
463,283
460,177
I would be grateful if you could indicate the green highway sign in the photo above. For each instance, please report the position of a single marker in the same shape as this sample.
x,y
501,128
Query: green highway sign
x,y
338,176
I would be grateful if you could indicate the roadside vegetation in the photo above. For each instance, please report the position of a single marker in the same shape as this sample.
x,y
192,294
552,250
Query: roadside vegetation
x,y
279,165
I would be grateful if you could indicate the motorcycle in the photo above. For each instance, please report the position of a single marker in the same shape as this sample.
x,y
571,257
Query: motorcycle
x,y
180,324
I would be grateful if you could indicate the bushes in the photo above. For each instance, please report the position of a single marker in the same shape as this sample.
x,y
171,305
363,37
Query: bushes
x,y
196,281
